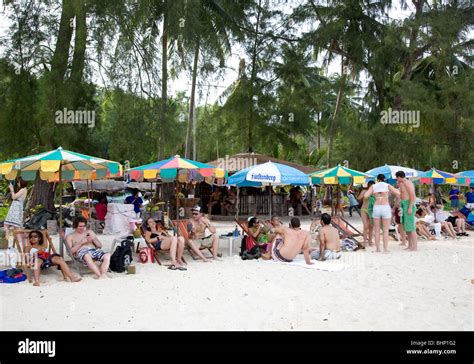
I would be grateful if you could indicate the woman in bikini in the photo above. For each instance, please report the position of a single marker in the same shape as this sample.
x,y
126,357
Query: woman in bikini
x,y
156,236
39,258
366,218
382,213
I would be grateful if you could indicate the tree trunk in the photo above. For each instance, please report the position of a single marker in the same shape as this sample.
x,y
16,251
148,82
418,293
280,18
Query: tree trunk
x,y
253,79
164,83
192,101
80,41
43,193
332,128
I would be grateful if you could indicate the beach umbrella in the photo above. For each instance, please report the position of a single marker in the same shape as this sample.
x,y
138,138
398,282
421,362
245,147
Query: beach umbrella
x,y
339,175
467,174
389,172
268,174
177,169
436,177
60,165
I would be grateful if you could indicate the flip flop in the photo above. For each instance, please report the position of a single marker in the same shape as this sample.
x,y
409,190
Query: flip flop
x,y
173,267
181,268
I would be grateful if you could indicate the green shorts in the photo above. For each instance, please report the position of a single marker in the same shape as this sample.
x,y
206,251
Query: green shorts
x,y
407,220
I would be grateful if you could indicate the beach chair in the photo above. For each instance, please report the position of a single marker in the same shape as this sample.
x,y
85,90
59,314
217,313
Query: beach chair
x,y
76,263
346,229
156,253
20,239
181,229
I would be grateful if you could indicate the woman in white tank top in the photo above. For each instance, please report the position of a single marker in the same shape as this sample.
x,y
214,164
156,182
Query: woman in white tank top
x,y
382,211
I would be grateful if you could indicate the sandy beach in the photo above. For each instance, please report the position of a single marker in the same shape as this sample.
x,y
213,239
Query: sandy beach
x,y
430,289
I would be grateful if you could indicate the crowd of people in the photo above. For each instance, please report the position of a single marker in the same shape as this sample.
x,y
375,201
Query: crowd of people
x,y
379,204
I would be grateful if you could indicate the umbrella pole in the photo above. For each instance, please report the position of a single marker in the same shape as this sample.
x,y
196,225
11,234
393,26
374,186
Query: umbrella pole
x,y
61,250
270,209
237,204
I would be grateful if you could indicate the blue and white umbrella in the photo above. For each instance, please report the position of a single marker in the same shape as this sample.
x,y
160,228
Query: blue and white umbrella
x,y
389,172
268,174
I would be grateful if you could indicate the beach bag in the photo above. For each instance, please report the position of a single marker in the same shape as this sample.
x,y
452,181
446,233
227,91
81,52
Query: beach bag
x,y
122,257
12,275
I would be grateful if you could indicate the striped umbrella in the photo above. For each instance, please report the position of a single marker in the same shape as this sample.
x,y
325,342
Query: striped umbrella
x,y
177,169
168,169
60,165
436,177
339,176
467,174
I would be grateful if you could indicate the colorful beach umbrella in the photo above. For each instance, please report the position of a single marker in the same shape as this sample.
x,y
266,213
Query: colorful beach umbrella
x,y
60,165
339,176
436,177
176,167
467,174
389,172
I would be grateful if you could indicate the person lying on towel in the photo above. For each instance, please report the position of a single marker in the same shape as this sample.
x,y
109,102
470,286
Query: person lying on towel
x,y
329,242
289,243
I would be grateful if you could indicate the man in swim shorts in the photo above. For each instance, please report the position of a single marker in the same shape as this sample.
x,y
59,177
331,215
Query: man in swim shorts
x,y
407,206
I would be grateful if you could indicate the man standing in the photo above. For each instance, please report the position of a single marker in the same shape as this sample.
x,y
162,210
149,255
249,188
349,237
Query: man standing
x,y
407,206
470,198
198,232
86,247
135,200
454,197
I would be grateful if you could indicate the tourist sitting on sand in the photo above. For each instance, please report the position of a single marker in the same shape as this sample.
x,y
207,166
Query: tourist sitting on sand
x,y
159,238
39,258
290,242
329,242
86,247
197,233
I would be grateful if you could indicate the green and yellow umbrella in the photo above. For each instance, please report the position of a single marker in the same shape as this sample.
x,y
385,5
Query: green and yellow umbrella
x,y
339,176
60,165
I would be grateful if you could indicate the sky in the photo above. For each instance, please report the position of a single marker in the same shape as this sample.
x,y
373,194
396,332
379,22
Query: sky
x,y
211,93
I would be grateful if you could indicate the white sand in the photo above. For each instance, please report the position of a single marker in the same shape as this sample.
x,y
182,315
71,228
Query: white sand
x,y
426,290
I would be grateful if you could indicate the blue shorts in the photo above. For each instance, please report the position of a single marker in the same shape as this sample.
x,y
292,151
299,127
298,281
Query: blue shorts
x,y
455,203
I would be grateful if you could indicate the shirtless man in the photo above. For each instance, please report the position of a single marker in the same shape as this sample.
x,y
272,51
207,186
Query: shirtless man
x,y
329,242
293,240
407,206
198,233
86,247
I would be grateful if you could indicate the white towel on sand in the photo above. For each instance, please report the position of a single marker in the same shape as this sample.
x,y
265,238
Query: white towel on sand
x,y
327,265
